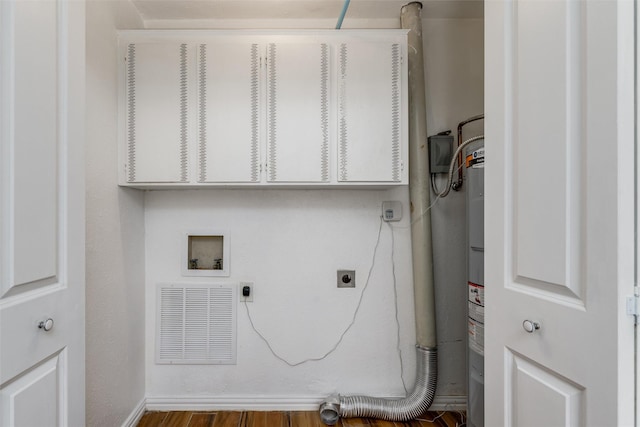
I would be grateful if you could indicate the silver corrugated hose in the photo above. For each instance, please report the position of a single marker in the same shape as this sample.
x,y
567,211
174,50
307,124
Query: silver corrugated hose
x,y
421,397
415,404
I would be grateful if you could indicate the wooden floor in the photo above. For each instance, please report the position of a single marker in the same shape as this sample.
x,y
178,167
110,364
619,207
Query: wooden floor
x,y
286,419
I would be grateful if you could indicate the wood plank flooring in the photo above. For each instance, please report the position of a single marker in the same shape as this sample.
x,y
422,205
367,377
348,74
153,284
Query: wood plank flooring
x,y
287,419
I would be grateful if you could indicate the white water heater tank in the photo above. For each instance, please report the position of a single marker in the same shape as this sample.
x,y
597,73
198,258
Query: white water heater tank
x,y
474,165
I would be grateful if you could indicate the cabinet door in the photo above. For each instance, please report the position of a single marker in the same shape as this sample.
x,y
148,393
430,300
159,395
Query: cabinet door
x,y
370,118
228,112
158,76
298,112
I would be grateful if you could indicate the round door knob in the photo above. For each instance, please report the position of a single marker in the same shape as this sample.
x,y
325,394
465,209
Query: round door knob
x,y
530,326
47,325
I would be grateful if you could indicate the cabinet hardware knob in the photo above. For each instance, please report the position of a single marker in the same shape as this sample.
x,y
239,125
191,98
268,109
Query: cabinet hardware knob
x,y
47,325
530,326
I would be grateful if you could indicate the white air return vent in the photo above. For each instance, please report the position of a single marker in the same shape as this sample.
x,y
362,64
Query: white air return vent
x,y
196,324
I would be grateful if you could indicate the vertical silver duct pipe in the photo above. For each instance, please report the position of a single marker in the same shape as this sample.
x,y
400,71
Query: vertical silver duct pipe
x,y
421,397
419,186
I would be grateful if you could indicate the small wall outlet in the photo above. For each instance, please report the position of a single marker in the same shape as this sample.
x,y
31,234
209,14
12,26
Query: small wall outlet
x,y
346,278
246,291
392,211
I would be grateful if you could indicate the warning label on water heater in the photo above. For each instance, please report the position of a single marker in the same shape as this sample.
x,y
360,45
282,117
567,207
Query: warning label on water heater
x,y
476,317
475,159
476,337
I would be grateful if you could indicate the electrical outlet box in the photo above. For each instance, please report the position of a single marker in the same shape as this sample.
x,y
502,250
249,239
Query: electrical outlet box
x,y
246,292
392,211
440,153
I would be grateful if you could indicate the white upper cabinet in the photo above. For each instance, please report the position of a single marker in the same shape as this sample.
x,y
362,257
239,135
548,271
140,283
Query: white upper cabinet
x,y
298,112
228,112
370,112
255,108
157,112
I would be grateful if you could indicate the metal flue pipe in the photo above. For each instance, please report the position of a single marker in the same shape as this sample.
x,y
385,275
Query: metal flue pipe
x,y
419,185
421,397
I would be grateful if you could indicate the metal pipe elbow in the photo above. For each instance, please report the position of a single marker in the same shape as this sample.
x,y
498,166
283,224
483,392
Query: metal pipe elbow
x,y
330,410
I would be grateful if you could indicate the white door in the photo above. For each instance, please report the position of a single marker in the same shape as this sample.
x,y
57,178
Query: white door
x,y
637,272
559,217
41,213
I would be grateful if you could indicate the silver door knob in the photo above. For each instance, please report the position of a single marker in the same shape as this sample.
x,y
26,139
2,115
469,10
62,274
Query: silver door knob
x,y
47,325
530,326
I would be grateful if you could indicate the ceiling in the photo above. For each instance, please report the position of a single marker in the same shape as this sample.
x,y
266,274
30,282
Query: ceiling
x,y
158,10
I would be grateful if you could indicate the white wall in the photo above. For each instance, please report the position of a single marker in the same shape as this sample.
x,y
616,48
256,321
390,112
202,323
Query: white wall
x,y
114,236
291,242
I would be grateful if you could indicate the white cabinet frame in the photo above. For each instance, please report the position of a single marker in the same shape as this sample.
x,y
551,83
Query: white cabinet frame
x,y
375,155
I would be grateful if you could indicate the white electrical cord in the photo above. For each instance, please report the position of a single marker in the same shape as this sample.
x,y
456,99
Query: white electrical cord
x,y
353,319
395,297
463,417
434,185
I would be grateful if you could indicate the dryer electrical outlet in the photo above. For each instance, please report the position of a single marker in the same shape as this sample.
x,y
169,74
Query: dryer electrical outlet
x,y
346,278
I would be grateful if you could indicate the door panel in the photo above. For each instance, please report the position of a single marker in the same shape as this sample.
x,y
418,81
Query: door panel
x,y
547,154
35,133
534,387
34,398
559,222
42,212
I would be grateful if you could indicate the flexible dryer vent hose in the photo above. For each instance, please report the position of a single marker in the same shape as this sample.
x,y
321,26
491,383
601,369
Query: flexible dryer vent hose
x,y
421,398
415,404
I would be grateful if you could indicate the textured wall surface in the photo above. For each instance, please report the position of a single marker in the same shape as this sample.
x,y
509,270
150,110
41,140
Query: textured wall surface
x,y
115,236
290,243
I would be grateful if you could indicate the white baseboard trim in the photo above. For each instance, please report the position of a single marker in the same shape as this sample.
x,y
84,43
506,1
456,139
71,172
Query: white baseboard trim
x,y
449,403
136,414
233,403
262,403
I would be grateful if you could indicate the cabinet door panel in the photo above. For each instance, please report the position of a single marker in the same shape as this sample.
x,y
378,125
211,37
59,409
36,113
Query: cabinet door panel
x,y
157,105
369,112
228,118
298,112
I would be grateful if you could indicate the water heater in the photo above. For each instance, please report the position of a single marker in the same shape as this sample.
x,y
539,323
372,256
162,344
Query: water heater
x,y
474,164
